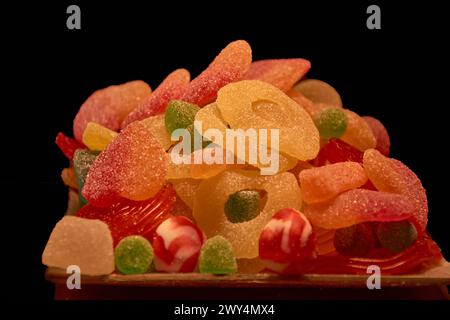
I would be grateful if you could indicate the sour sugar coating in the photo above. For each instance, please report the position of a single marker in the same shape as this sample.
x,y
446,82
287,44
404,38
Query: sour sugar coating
x,y
179,115
126,217
212,194
82,162
286,241
319,92
177,243
133,166
172,87
133,255
355,241
281,73
97,137
390,175
157,126
337,151
108,107
331,123
324,183
383,141
358,133
68,145
357,206
217,257
230,65
186,189
253,104
85,243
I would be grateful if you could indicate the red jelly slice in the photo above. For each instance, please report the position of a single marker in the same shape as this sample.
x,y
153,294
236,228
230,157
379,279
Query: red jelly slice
x,y
126,217
337,151
68,145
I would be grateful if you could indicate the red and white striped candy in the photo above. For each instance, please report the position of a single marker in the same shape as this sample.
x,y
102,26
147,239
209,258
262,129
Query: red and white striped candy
x,y
286,241
176,244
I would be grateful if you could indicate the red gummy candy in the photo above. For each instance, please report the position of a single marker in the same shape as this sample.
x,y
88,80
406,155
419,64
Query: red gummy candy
x,y
68,145
337,151
381,135
109,106
287,240
176,244
281,73
127,217
172,88
229,66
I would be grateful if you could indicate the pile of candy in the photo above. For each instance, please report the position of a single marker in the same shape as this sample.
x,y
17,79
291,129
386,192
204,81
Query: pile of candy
x,y
337,204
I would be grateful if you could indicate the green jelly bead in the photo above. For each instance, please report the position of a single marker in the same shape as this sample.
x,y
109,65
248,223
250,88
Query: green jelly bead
x,y
217,257
179,115
133,255
397,236
355,241
331,123
82,162
243,206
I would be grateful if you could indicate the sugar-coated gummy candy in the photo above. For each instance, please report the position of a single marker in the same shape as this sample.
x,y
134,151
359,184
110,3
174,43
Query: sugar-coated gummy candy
x,y
337,151
357,206
82,162
186,189
331,123
182,209
157,126
253,104
243,205
69,178
286,241
177,243
179,115
390,175
355,241
381,135
82,242
281,73
109,106
397,236
319,92
127,217
68,145
358,133
172,87
212,194
250,266
133,255
230,65
97,137
73,203
324,183
217,257
133,166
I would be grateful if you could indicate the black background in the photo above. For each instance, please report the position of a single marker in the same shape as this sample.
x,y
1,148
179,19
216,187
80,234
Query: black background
x,y
397,74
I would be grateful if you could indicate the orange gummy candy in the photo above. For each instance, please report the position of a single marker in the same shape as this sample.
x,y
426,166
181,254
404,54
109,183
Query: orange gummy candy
x,y
358,133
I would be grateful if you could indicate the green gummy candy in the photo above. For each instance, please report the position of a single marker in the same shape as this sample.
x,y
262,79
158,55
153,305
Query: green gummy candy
x,y
179,115
331,123
82,162
133,255
243,206
397,236
217,257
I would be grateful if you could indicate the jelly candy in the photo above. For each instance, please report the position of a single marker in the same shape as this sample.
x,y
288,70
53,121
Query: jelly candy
x,y
217,257
73,203
85,243
69,178
355,241
331,123
286,241
68,145
324,183
383,141
324,240
177,243
212,194
186,190
82,162
133,166
255,104
357,206
157,126
179,115
390,175
108,107
358,133
319,92
397,236
126,217
243,205
133,255
281,73
250,266
172,87
230,65
311,108
337,151
97,137
182,209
